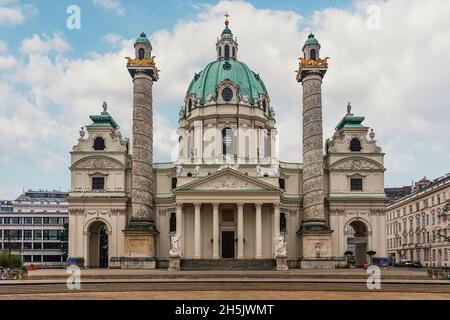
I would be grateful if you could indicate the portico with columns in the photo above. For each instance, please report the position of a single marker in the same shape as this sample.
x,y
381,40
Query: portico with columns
x,y
239,220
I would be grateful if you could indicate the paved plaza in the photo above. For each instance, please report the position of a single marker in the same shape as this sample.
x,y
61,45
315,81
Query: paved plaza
x,y
348,284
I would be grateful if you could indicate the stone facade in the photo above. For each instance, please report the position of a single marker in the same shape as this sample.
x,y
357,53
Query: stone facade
x,y
227,198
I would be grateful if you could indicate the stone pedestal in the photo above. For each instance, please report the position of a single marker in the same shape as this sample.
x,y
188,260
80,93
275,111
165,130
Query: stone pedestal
x,y
282,263
316,251
140,246
174,263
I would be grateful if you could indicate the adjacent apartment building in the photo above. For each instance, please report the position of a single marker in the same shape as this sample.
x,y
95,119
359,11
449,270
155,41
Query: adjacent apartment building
x,y
33,224
417,225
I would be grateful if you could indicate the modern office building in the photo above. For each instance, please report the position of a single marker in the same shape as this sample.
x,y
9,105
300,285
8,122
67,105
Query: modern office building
x,y
417,225
33,225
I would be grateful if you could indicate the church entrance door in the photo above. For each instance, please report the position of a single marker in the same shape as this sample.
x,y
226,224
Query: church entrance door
x,y
228,245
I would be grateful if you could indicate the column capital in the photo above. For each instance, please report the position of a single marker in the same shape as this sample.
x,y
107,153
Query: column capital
x,y
240,204
197,206
276,205
258,204
215,206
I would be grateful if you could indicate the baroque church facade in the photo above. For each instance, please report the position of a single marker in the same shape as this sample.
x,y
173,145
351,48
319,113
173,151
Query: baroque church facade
x,y
228,201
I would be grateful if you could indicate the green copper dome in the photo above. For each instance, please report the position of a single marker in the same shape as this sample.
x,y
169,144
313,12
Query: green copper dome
x,y
142,39
311,41
205,82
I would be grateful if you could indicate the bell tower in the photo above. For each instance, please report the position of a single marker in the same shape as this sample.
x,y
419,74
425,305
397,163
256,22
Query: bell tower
x,y
314,232
140,232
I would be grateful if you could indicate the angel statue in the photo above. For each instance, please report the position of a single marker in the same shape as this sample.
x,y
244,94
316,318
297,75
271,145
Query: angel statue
x,y
175,250
280,246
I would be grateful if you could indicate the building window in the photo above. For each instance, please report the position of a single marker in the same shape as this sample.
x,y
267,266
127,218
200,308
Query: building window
x,y
227,52
190,105
355,145
37,258
37,245
312,54
174,183
227,94
98,183
27,235
141,53
282,222
37,235
264,105
37,220
234,52
51,235
27,220
173,223
282,183
99,144
227,141
356,184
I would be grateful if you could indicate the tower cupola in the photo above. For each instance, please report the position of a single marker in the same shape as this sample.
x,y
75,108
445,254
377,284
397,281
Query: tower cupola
x,y
143,47
311,48
226,46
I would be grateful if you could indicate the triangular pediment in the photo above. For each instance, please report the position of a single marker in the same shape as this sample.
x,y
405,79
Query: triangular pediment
x,y
228,180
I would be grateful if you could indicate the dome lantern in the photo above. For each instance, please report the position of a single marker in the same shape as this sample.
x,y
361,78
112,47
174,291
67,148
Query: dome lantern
x,y
226,46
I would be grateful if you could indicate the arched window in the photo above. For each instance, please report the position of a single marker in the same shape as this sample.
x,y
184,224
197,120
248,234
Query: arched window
x,y
312,54
355,145
227,94
220,52
99,144
283,222
264,105
173,222
141,53
227,52
190,105
234,52
227,141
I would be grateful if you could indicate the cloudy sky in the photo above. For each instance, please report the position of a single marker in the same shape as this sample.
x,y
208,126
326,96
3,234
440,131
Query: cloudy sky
x,y
389,58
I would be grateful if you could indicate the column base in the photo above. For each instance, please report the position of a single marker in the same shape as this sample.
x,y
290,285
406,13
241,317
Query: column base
x,y
282,263
316,249
140,245
174,263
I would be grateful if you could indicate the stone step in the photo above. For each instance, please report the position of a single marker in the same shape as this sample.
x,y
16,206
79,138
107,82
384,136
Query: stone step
x,y
228,264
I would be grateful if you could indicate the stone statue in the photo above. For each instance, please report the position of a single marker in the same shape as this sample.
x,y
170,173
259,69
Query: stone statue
x,y
181,113
349,108
197,171
82,133
175,249
193,152
259,171
105,106
372,134
179,170
280,246
209,98
244,98
275,169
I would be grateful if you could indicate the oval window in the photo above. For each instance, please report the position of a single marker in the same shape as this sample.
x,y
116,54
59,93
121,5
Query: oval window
x,y
227,94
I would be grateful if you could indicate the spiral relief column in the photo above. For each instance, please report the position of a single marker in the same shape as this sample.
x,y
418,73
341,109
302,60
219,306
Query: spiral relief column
x,y
140,233
314,231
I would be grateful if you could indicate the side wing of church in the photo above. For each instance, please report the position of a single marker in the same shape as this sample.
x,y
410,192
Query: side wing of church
x,y
228,201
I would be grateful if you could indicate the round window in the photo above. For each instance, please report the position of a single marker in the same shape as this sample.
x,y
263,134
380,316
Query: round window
x,y
227,94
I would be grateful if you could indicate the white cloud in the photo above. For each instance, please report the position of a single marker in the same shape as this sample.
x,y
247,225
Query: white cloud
x,y
113,39
44,44
7,62
12,12
110,5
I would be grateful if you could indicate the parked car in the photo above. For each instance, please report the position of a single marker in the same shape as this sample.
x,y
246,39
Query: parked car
x,y
382,262
416,264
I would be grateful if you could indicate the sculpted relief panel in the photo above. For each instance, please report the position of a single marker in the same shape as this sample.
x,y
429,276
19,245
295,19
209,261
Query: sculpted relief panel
x,y
98,163
227,182
359,164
